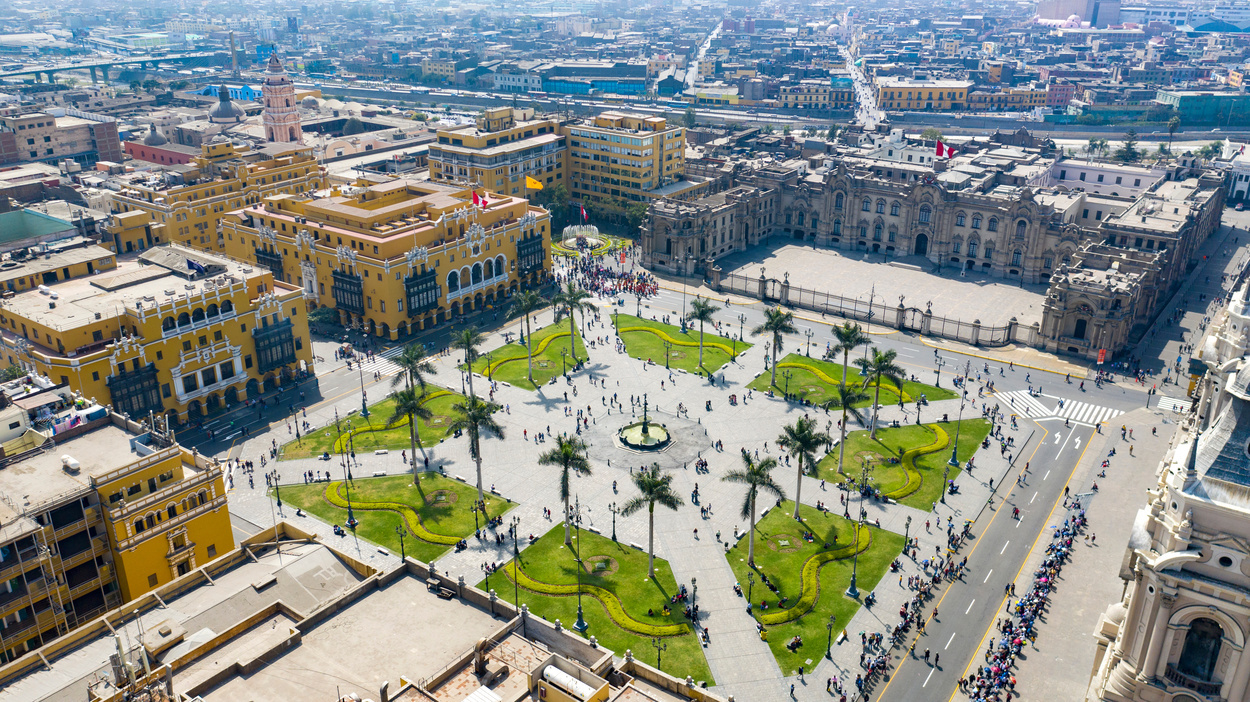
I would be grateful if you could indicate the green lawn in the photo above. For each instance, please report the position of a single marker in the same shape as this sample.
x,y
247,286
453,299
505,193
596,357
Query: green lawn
x,y
815,380
445,511
507,363
622,571
649,345
781,552
892,442
375,435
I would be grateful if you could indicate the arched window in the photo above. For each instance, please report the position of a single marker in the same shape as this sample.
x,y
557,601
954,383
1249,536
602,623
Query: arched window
x,y
972,248
993,226
800,219
815,220
168,323
1202,649
139,525
880,206
453,281
197,315
876,232
489,269
501,265
212,309
1016,257
894,206
976,221
837,227
477,273
837,202
1020,227
866,206
172,511
203,497
227,307
960,219
150,520
926,214
184,319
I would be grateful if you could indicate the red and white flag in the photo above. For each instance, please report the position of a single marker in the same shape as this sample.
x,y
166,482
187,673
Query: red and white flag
x,y
476,201
584,219
482,201
944,151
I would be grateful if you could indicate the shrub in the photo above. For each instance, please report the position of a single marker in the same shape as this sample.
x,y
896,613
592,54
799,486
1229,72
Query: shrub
x,y
811,579
411,518
606,597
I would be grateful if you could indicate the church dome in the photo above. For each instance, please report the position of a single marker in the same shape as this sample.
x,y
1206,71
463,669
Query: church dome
x,y
154,137
225,110
309,103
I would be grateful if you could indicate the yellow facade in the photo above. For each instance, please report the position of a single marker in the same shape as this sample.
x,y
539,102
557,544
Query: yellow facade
x,y
439,67
153,338
165,516
895,93
1009,99
500,152
625,156
185,208
401,256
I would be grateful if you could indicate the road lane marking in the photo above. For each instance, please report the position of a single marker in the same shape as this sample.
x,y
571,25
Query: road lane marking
x,y
1034,497
1004,548
926,678
1078,442
1058,438
1046,476
987,577
952,638
965,612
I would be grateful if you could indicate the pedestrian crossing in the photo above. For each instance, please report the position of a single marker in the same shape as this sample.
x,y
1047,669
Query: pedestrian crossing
x,y
1026,405
382,362
1173,404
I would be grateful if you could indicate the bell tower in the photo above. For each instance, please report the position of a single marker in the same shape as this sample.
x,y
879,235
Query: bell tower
x,y
282,123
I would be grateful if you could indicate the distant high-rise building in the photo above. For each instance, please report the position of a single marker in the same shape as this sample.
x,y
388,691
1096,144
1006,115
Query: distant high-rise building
x,y
281,110
292,25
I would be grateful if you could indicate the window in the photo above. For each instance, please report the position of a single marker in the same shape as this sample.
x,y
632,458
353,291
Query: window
x,y
880,206
925,214
1099,177
1201,649
972,248
1020,227
894,208
1015,257
190,383
837,202
993,224
867,205
955,247
959,219
152,580
976,221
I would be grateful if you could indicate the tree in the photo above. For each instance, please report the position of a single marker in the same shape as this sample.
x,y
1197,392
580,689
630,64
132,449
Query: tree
x,y
849,336
776,322
571,300
785,130
1173,125
476,418
690,120
151,85
1211,151
832,134
932,134
635,213
701,311
323,315
569,454
353,126
413,366
179,85
756,477
410,404
1128,152
801,440
135,85
656,487
468,340
1091,149
524,304
420,117
555,199
1104,147
845,398
880,366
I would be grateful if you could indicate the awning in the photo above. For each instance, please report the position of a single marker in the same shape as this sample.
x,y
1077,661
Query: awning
x,y
38,400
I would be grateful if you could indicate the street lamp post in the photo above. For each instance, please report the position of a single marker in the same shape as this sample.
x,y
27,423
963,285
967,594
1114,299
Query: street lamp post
x,y
787,374
364,398
402,531
954,461
829,644
580,625
668,351
684,258
564,369
852,591
742,321
750,587
516,564
907,530
612,508
809,333
937,370
660,648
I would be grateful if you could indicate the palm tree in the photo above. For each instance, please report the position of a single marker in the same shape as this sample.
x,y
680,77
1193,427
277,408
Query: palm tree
x,y
757,477
776,322
468,340
656,488
414,365
1092,147
526,303
476,418
881,365
409,404
1173,125
849,337
570,454
570,301
801,440
701,311
846,397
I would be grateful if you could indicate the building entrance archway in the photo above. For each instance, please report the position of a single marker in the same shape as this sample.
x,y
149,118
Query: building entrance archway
x,y
922,244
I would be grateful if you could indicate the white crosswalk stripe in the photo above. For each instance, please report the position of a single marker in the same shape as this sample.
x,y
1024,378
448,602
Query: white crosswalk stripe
x,y
382,362
1021,402
1174,404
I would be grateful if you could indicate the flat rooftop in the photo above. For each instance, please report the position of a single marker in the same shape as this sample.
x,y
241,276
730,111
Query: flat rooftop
x,y
40,479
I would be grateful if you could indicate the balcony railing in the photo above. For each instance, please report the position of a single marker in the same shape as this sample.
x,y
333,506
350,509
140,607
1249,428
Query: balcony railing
x,y
1202,687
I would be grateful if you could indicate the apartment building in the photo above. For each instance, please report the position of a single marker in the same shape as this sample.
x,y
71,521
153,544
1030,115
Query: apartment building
x,y
186,203
899,93
813,94
41,137
624,156
1007,99
397,257
173,331
103,515
499,152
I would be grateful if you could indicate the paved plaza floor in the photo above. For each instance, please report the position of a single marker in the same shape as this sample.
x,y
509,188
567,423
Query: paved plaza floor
x,y
990,299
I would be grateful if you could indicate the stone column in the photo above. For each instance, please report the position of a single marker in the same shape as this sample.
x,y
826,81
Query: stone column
x,y
1236,690
785,290
900,316
763,283
714,276
1153,640
976,332
927,323
94,78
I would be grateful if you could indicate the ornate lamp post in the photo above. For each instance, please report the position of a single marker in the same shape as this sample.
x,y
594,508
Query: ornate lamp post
x,y
364,397
612,508
580,625
660,648
937,371
809,333
668,351
402,531
515,527
486,569
750,587
829,644
852,591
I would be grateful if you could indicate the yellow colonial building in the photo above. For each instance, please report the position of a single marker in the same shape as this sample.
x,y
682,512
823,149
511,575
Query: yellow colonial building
x,y
900,93
172,331
108,512
397,257
185,203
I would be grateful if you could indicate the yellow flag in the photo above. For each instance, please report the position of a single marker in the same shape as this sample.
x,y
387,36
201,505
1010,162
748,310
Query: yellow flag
x,y
533,184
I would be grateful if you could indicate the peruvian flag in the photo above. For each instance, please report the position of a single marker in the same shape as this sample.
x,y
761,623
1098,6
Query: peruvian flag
x,y
944,151
476,201
584,218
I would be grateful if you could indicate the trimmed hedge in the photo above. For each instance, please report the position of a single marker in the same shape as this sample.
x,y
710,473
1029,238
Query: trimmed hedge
x,y
411,518
492,367
609,600
909,464
828,379
342,442
677,342
811,579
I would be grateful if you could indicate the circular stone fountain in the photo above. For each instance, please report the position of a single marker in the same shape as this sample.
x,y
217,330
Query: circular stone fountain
x,y
644,436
